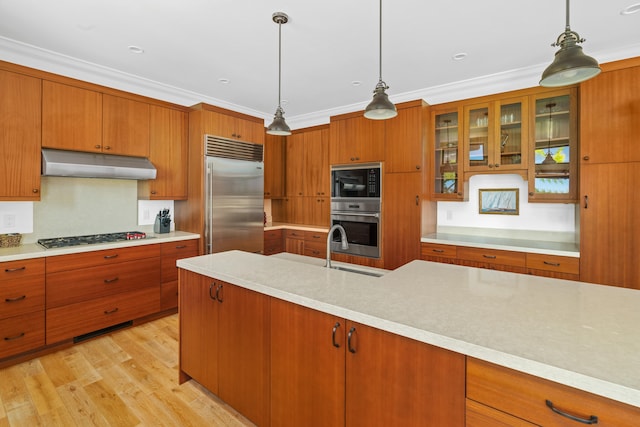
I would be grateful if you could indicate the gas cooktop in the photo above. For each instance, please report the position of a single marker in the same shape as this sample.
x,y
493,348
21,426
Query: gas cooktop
x,y
90,239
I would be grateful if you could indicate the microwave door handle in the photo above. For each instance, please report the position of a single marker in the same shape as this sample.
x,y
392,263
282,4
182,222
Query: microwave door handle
x,y
343,213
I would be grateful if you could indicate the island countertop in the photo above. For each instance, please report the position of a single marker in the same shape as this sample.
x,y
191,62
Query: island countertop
x,y
578,334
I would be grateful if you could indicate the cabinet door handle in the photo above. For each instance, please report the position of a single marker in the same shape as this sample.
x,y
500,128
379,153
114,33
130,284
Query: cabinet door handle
x,y
35,190
219,293
181,247
16,299
438,251
333,335
107,147
417,200
13,270
586,201
586,158
552,264
349,346
497,165
110,256
489,256
115,279
213,297
591,420
115,310
15,337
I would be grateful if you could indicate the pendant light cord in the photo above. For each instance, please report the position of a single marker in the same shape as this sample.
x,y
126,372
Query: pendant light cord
x,y
567,23
380,45
279,62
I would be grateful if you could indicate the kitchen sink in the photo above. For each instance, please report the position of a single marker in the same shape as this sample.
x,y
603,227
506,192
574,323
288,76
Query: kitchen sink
x,y
353,270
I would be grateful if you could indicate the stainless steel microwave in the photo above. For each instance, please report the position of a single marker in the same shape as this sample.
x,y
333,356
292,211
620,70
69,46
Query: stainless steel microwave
x,y
356,181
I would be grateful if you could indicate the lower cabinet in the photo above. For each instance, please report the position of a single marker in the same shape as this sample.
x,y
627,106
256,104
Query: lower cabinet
x,y
499,396
224,342
273,242
170,252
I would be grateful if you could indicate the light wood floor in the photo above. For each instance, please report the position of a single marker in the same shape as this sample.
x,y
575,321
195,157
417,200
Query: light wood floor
x,y
128,378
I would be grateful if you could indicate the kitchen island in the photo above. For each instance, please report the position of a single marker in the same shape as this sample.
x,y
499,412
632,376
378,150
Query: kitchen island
x,y
580,335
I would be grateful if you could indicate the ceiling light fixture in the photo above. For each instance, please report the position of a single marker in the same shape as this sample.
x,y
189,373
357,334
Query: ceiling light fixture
x,y
570,65
279,126
629,10
135,49
380,108
459,56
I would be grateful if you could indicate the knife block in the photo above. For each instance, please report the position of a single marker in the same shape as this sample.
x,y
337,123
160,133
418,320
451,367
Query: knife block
x,y
161,225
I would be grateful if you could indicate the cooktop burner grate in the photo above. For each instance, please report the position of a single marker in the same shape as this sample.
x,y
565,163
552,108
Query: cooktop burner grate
x,y
90,239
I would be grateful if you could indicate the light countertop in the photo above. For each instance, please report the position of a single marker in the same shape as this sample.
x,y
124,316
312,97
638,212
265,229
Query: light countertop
x,y
517,245
33,250
283,225
578,334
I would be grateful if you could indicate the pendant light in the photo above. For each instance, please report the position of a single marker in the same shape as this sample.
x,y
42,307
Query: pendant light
x,y
279,126
570,65
380,108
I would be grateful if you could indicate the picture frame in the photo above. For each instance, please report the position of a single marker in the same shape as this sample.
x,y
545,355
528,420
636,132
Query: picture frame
x,y
499,201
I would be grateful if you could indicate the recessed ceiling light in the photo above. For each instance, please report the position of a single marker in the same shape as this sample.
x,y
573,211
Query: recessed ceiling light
x,y
223,80
630,9
459,56
136,49
356,83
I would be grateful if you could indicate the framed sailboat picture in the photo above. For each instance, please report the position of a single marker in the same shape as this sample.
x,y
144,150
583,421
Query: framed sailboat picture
x,y
500,201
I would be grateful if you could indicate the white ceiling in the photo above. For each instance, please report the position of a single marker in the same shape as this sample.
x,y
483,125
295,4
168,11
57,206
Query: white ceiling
x,y
189,45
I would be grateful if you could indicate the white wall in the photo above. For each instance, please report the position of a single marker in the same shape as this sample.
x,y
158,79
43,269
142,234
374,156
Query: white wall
x,y
538,221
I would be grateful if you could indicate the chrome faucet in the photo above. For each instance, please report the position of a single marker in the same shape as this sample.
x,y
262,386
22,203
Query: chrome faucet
x,y
343,242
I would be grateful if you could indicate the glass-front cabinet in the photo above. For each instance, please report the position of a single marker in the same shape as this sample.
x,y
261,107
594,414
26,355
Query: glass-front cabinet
x,y
496,136
447,172
553,163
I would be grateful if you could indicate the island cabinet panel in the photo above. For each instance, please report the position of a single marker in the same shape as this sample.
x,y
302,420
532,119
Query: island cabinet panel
x,y
479,415
307,366
393,380
529,398
224,342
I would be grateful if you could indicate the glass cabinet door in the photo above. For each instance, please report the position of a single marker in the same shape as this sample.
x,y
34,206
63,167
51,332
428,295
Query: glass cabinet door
x,y
552,174
446,155
478,138
510,139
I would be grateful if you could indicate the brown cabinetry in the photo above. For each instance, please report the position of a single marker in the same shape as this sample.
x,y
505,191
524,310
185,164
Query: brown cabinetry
x,y
94,290
315,244
405,136
168,152
356,139
20,127
294,241
22,294
496,390
224,343
446,153
559,267
273,242
170,252
125,126
274,160
492,258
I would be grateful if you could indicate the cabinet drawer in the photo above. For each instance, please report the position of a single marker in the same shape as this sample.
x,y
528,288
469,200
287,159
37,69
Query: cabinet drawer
x,y
68,287
315,236
524,396
273,235
21,333
21,296
72,320
96,258
315,249
559,264
13,270
492,256
171,252
479,415
435,249
293,234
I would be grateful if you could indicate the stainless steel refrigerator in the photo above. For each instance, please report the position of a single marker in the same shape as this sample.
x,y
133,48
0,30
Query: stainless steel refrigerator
x,y
234,188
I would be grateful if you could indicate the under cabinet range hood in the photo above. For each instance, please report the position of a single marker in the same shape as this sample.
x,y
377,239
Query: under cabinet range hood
x,y
95,165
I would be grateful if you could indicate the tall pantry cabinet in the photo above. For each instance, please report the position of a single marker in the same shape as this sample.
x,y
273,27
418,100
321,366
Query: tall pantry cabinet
x,y
609,175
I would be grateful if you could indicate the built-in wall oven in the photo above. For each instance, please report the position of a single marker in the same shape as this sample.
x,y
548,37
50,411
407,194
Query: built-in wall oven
x,y
355,205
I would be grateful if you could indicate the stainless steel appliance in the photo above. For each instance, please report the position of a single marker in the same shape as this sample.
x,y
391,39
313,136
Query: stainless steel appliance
x,y
234,189
355,205
90,239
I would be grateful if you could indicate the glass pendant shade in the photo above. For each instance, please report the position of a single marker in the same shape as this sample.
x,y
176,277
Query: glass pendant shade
x,y
279,126
380,108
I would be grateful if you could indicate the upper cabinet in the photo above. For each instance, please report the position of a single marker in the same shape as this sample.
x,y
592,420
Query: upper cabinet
x,y
405,138
228,124
307,162
356,139
168,153
495,136
609,117
446,154
553,162
125,126
71,117
19,137
273,166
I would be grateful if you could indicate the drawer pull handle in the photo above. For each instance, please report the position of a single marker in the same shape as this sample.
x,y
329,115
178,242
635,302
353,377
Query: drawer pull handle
x,y
333,335
115,279
489,256
181,247
111,311
13,270
16,299
110,256
552,264
349,346
592,419
15,337
438,251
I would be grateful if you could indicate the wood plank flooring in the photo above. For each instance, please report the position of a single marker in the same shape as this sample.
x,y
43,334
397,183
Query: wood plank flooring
x,y
128,378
